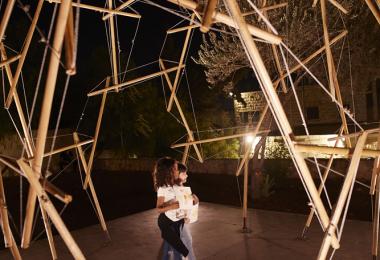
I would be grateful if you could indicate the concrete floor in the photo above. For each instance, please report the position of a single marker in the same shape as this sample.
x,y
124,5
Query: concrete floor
x,y
215,236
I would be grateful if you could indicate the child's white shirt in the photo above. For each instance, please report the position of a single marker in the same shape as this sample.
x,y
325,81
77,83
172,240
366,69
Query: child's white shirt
x,y
168,193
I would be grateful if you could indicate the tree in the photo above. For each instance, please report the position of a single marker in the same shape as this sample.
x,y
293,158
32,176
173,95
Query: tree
x,y
300,26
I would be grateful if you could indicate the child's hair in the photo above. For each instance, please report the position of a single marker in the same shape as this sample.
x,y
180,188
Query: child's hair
x,y
163,172
182,167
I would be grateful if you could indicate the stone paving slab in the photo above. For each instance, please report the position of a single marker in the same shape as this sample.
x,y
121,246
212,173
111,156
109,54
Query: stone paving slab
x,y
217,235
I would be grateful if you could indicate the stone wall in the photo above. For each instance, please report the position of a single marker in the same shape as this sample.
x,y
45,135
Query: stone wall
x,y
229,166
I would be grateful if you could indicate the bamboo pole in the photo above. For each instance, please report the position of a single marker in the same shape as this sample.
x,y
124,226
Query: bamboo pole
x,y
222,18
342,200
186,152
245,190
312,56
24,125
180,63
339,6
9,240
369,131
115,76
45,115
208,14
96,135
119,8
375,11
69,147
184,121
98,9
255,132
184,28
315,149
375,221
279,70
70,45
49,234
6,16
10,60
375,169
24,51
92,189
267,8
4,215
320,188
51,211
278,111
221,138
55,191
133,81
329,57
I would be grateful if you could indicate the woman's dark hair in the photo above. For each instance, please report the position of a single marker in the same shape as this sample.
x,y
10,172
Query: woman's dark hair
x,y
163,172
182,167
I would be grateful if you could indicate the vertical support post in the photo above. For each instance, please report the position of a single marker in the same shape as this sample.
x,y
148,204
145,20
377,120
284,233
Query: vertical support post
x,y
50,209
97,129
278,112
45,115
92,188
25,49
375,221
70,45
348,182
5,19
9,240
245,192
115,78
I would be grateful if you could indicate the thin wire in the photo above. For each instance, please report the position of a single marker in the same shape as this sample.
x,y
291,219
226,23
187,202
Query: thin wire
x,y
42,68
58,119
304,122
321,85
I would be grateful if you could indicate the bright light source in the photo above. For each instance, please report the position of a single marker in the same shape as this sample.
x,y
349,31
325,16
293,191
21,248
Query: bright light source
x,y
231,94
249,139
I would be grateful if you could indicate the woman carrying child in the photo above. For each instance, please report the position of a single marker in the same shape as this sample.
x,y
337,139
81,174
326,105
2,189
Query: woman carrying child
x,y
165,175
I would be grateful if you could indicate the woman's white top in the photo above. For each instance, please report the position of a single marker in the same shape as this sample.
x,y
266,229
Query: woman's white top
x,y
168,193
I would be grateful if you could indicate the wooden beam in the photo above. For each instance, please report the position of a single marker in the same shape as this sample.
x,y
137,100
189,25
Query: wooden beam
x,y
312,56
119,8
278,111
98,9
10,60
9,240
180,63
184,28
208,14
96,135
369,131
342,200
73,146
375,11
133,81
182,115
24,51
223,18
316,149
70,45
6,16
24,125
45,115
51,211
92,188
339,6
267,8
115,76
215,139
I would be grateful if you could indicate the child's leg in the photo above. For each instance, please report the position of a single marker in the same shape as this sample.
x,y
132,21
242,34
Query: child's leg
x,y
171,233
188,241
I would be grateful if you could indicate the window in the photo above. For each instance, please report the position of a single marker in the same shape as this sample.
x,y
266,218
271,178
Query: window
x,y
312,113
243,117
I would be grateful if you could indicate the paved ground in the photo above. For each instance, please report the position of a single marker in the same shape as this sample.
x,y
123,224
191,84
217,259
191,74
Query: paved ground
x,y
216,236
